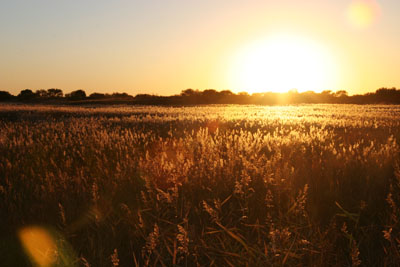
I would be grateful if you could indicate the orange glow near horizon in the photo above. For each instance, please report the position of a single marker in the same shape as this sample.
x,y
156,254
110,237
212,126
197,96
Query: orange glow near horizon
x,y
284,62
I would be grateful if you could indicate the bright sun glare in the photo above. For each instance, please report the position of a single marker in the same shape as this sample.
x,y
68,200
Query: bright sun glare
x,y
282,63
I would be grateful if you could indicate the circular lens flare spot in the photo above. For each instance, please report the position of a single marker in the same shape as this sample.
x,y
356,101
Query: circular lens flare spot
x,y
363,13
39,245
46,247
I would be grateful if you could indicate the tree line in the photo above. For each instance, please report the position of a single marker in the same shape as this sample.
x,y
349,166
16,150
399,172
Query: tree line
x,y
208,96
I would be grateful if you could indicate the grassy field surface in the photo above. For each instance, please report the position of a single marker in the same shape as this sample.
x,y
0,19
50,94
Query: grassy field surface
x,y
307,185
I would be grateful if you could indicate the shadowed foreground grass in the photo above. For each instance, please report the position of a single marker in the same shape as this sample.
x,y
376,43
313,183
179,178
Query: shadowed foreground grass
x,y
313,185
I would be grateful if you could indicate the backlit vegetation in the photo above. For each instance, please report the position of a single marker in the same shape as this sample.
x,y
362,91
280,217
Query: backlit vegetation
x,y
311,185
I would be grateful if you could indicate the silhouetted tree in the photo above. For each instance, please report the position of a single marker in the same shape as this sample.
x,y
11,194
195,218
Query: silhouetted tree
x,y
226,93
386,91
76,95
189,92
326,96
209,96
386,95
121,95
6,96
340,93
212,96
326,92
210,92
41,93
97,96
26,94
54,93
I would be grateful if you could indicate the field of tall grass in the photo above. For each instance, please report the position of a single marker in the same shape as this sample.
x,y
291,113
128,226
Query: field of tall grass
x,y
307,185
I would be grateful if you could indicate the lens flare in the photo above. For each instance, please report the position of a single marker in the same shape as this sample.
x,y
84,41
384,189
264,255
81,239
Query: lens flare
x,y
46,248
363,13
39,245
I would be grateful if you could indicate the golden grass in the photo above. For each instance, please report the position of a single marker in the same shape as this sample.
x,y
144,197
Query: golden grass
x,y
311,185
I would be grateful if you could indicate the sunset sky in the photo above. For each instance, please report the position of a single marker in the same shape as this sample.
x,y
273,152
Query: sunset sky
x,y
165,46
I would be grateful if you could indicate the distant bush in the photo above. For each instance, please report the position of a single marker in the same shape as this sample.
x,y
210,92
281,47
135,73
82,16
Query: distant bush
x,y
54,93
26,94
212,96
5,96
97,96
76,95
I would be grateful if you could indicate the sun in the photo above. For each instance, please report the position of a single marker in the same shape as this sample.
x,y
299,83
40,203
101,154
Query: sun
x,y
281,63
